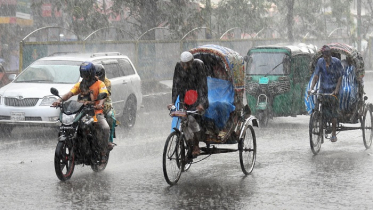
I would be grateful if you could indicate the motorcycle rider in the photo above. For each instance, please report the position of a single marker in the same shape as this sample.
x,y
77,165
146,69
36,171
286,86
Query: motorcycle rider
x,y
108,107
88,73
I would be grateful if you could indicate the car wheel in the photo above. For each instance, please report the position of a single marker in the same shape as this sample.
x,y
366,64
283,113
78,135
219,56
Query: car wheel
x,y
129,112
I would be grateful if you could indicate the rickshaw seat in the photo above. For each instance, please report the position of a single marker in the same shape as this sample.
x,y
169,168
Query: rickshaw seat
x,y
221,101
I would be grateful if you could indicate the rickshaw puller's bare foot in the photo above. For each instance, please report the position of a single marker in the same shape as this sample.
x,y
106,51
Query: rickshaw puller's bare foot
x,y
196,151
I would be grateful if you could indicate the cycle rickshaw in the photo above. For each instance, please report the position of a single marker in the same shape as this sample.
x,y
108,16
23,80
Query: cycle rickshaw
x,y
226,121
353,106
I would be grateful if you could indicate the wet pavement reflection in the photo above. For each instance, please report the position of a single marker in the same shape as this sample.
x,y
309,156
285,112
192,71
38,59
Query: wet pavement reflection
x,y
286,176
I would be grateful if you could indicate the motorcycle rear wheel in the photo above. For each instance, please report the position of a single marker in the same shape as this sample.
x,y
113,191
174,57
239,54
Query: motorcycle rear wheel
x,y
64,161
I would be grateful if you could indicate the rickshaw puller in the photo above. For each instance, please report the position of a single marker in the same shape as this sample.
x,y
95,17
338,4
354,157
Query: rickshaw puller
x,y
330,70
189,75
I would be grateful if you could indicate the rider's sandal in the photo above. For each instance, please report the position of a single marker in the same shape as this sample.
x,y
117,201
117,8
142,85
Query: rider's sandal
x,y
111,145
333,139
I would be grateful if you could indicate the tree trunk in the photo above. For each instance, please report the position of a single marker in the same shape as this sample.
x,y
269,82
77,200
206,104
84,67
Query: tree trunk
x,y
290,19
148,12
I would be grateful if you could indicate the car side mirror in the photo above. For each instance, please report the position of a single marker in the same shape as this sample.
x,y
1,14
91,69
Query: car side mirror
x,y
12,77
246,58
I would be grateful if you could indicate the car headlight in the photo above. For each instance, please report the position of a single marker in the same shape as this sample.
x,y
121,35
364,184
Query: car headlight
x,y
68,119
48,100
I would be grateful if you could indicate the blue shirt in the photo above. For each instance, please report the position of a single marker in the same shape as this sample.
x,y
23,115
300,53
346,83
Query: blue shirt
x,y
328,77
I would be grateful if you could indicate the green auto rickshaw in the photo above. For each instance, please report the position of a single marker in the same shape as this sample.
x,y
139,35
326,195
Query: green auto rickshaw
x,y
276,78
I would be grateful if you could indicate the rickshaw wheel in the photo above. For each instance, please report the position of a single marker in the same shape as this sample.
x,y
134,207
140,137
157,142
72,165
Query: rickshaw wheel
x,y
247,150
316,132
173,155
366,127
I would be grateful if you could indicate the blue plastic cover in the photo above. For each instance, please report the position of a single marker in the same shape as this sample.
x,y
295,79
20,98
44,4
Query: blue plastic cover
x,y
175,120
347,92
221,99
349,89
309,101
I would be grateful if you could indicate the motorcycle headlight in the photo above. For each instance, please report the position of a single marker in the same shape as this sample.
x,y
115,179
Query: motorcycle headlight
x,y
68,119
48,100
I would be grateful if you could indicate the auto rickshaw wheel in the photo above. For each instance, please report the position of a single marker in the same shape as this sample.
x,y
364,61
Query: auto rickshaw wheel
x,y
366,126
316,132
263,118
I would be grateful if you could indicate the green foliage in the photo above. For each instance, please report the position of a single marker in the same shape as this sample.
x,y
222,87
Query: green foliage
x,y
249,15
294,19
182,15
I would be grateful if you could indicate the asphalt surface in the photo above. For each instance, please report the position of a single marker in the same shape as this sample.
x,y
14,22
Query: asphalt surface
x,y
286,175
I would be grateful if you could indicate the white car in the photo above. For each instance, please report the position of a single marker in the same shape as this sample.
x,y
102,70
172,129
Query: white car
x,y
26,100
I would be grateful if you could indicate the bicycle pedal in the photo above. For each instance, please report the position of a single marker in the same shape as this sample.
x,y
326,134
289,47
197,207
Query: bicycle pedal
x,y
189,160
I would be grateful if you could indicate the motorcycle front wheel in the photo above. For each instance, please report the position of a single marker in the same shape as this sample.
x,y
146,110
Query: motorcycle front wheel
x,y
99,166
64,161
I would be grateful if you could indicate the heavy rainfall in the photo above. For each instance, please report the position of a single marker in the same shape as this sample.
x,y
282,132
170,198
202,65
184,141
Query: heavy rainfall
x,y
267,138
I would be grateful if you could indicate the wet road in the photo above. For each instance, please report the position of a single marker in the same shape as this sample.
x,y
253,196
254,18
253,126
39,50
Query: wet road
x,y
287,175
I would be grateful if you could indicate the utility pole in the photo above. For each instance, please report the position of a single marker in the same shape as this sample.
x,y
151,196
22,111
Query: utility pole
x,y
208,19
359,25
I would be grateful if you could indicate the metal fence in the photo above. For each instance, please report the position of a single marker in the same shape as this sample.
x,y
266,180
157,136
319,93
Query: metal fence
x,y
153,59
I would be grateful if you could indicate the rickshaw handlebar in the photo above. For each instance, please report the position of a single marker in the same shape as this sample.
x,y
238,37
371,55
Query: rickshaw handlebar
x,y
315,93
182,113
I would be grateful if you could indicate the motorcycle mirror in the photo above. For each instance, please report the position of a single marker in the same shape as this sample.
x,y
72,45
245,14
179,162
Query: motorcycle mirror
x,y
54,91
101,96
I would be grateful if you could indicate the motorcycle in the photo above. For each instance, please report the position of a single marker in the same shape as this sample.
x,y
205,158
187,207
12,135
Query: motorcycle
x,y
77,141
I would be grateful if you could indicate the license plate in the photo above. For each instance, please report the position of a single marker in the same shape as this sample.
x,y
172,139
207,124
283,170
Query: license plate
x,y
17,116
264,80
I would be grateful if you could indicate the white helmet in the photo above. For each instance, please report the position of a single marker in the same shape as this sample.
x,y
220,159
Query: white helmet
x,y
186,57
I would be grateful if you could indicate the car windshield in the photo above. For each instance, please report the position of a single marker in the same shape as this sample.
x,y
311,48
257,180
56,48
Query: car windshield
x,y
267,63
65,72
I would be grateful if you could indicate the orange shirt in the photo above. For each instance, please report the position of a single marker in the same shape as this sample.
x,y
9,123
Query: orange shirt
x,y
97,88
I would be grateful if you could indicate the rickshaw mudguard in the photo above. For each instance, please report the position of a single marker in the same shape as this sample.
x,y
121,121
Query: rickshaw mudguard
x,y
177,130
251,120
